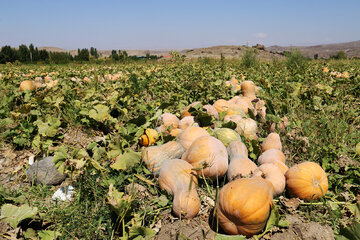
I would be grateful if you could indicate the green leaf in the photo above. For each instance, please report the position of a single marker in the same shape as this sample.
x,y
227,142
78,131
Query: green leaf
x,y
162,201
118,202
30,234
126,161
272,221
14,215
138,231
49,127
352,232
60,157
48,235
228,237
100,113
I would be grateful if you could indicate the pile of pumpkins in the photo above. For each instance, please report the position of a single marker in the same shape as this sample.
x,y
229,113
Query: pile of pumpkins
x,y
38,82
244,203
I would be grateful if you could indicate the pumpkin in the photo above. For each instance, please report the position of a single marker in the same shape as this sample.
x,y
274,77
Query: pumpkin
x,y
244,103
235,88
244,206
306,181
271,155
175,132
211,110
271,141
186,113
239,167
51,84
190,134
178,179
168,121
237,149
154,156
26,85
233,100
248,89
209,156
247,127
149,137
232,118
187,122
234,109
221,105
260,108
47,79
226,135
273,174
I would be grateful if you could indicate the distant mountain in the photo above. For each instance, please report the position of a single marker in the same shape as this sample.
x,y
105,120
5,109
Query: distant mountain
x,y
352,49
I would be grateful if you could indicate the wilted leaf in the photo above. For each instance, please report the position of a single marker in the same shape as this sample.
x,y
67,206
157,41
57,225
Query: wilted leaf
x,y
228,237
30,234
14,215
126,161
118,202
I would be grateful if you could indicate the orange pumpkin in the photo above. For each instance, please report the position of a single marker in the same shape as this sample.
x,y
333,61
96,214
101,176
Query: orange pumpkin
x,y
190,134
306,181
248,89
244,206
26,85
221,105
149,137
209,156
178,179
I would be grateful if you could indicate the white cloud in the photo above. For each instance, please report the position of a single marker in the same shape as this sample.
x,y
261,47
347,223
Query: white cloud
x,y
261,35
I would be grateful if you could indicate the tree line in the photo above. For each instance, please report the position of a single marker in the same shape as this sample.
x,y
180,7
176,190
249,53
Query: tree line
x,y
31,54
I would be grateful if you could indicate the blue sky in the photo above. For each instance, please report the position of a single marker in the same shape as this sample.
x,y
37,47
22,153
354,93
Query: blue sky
x,y
152,24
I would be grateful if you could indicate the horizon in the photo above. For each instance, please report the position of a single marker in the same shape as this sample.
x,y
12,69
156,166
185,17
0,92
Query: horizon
x,y
164,25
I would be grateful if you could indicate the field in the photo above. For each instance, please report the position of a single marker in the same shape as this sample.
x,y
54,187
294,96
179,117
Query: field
x,y
95,114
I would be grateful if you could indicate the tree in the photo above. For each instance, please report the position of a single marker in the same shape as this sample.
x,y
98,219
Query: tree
x,y
8,54
114,55
341,55
24,53
94,53
83,55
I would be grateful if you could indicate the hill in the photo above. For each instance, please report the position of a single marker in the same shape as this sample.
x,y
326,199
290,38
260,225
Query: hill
x,y
352,49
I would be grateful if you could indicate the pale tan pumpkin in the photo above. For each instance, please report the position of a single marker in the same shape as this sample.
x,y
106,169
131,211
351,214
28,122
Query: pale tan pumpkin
x,y
273,174
234,109
209,156
211,110
187,122
240,167
190,134
175,132
248,89
260,108
247,127
245,104
271,155
232,118
244,206
168,121
221,105
272,141
154,156
306,181
237,149
178,179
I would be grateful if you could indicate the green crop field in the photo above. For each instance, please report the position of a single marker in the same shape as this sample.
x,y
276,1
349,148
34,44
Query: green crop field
x,y
91,117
